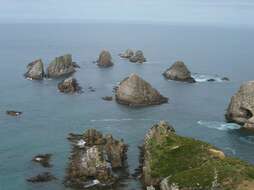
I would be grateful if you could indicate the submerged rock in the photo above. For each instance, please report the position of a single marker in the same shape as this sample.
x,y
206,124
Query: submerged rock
x,y
134,91
179,72
94,160
43,159
35,70
13,113
170,161
44,177
69,85
61,66
138,57
241,106
127,54
105,59
107,98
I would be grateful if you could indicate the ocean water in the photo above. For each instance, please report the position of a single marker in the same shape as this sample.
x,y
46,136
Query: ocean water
x,y
195,110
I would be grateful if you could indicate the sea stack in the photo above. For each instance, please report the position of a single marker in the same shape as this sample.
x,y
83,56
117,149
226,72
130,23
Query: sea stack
x,y
138,57
94,159
69,85
127,54
135,91
179,72
172,162
241,106
61,66
105,59
35,70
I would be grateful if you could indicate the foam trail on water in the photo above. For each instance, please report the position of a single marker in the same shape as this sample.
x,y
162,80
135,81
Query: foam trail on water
x,y
206,77
119,120
219,125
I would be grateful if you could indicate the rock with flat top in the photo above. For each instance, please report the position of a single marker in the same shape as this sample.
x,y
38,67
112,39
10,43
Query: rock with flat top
x,y
61,66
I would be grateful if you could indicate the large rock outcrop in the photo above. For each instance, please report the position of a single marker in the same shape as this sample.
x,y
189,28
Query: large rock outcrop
x,y
138,57
105,59
61,66
69,85
241,107
35,70
134,91
179,72
94,159
173,162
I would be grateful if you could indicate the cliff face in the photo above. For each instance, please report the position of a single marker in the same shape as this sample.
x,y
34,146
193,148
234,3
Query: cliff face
x,y
241,107
174,162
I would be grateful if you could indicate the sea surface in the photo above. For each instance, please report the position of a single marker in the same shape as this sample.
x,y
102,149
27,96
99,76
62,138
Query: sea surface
x,y
195,110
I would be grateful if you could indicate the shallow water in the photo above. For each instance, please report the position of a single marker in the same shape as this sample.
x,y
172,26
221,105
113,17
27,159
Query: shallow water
x,y
195,110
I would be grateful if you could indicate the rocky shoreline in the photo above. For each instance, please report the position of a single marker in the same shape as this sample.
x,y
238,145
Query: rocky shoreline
x,y
94,160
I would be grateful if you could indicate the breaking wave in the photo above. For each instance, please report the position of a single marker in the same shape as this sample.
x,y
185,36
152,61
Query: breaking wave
x,y
222,126
207,78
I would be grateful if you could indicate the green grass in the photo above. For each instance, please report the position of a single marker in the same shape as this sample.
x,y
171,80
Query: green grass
x,y
189,164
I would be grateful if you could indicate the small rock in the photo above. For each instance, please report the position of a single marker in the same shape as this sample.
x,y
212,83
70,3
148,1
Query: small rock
x,y
69,85
127,54
217,153
91,89
225,79
43,159
179,72
105,59
211,80
13,113
138,57
44,177
107,98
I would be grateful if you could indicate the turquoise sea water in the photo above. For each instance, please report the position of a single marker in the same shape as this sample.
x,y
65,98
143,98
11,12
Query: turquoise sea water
x,y
195,110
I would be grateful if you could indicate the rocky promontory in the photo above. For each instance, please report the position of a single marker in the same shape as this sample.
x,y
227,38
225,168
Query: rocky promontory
x,y
135,91
241,106
179,72
35,70
105,59
173,162
61,66
94,159
69,85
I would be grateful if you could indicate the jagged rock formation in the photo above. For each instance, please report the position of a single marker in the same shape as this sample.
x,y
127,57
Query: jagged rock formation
x,y
105,59
138,57
134,91
172,162
127,54
61,66
241,107
69,85
35,70
179,72
94,159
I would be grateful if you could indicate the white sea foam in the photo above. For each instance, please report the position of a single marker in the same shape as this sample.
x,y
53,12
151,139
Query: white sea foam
x,y
81,143
119,120
206,77
219,125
